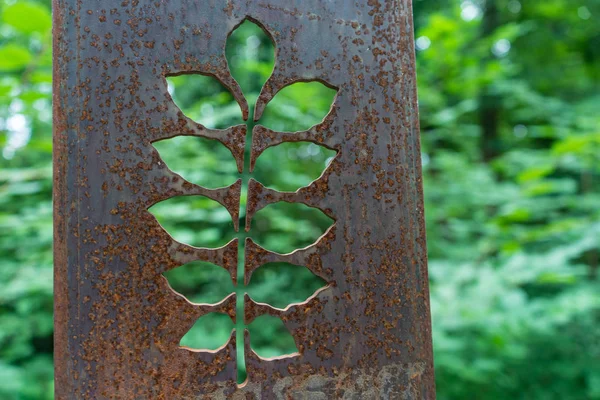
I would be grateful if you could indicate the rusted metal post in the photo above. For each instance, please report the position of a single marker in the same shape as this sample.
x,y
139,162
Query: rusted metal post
x,y
118,324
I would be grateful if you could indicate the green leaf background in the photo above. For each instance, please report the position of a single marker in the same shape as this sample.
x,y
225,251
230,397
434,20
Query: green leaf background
x,y
513,261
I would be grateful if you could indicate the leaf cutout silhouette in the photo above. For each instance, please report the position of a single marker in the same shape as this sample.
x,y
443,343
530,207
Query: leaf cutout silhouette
x,y
250,57
284,227
272,279
210,332
205,100
292,165
198,160
195,220
281,227
289,111
270,338
200,282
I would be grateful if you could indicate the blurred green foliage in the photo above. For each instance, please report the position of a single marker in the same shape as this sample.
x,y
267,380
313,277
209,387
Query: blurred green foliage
x,y
509,96
509,102
25,201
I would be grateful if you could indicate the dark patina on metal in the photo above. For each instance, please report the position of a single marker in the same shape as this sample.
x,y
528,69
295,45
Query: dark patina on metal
x,y
118,323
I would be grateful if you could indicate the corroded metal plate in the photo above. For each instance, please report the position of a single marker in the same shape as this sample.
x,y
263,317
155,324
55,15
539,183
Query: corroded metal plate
x,y
118,323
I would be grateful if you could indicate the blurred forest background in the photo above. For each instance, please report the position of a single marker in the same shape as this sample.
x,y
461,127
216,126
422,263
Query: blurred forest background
x,y
510,115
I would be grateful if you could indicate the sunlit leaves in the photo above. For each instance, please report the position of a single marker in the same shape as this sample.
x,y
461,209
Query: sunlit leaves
x,y
273,230
14,57
195,220
201,161
201,282
205,100
270,338
270,280
204,283
309,161
580,152
290,111
27,17
250,57
209,332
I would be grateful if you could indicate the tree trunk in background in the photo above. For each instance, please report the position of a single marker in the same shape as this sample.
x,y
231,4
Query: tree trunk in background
x,y
489,102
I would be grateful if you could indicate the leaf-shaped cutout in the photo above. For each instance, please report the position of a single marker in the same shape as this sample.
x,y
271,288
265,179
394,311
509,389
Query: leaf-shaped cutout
x,y
209,332
298,107
270,338
284,227
251,56
282,284
201,282
205,100
292,165
202,161
195,220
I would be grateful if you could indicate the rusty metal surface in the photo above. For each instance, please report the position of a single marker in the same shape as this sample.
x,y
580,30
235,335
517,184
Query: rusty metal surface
x,y
118,323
